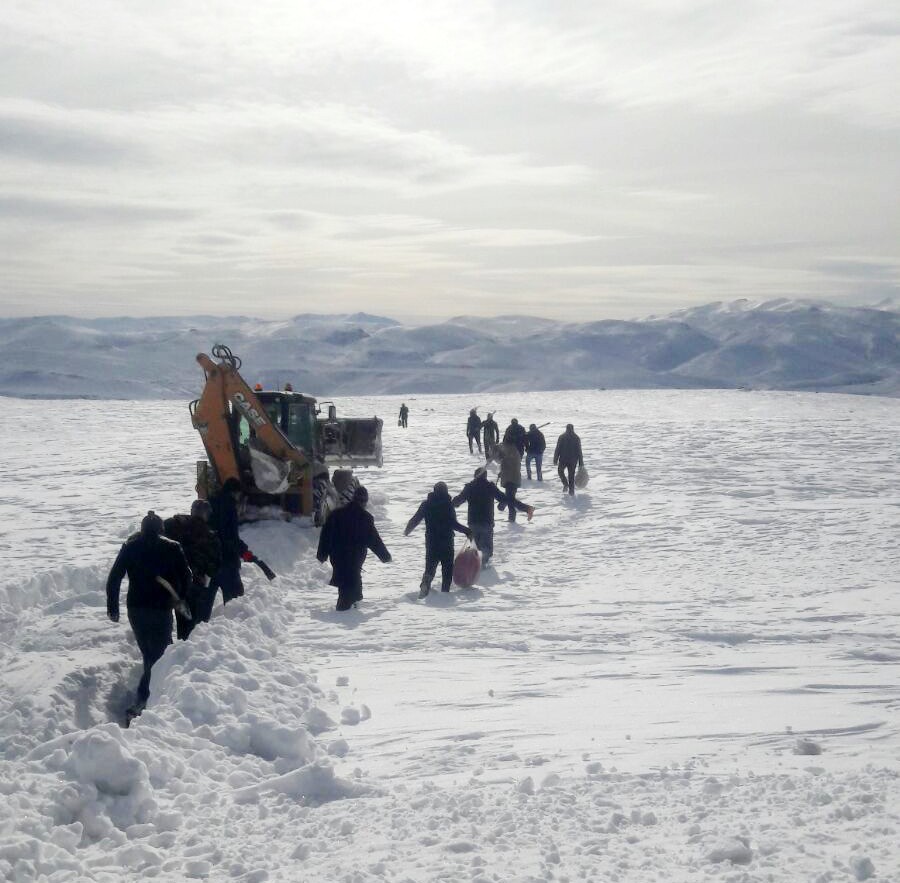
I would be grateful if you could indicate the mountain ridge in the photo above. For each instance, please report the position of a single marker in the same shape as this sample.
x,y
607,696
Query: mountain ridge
x,y
778,344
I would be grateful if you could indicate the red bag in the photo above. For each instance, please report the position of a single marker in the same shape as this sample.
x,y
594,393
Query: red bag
x,y
467,566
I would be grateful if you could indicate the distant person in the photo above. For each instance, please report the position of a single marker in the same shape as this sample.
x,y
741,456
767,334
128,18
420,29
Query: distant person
x,y
491,435
404,414
568,456
203,551
223,520
511,479
515,434
473,430
348,534
481,494
158,580
440,523
535,445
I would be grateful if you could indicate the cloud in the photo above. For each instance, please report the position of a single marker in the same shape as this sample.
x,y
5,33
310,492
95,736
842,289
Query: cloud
x,y
427,153
29,131
64,211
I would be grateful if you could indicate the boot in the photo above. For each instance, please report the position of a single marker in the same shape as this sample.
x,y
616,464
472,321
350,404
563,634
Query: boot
x,y
424,587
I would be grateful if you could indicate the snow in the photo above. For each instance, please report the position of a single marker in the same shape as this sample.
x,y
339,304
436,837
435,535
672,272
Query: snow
x,y
782,344
688,671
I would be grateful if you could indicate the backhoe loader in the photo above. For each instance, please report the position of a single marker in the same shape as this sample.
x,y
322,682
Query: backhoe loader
x,y
277,444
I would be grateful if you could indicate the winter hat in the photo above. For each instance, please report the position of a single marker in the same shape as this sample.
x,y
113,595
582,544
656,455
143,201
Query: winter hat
x,y
151,524
533,426
514,421
201,509
570,427
361,496
441,489
480,471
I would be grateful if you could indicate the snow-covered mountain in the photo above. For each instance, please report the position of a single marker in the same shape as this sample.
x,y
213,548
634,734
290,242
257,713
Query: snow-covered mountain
x,y
780,344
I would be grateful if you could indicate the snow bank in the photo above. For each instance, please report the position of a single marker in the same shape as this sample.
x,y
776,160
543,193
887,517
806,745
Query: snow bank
x,y
226,725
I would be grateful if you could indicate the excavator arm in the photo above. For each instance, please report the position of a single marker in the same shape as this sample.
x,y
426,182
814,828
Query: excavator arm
x,y
210,413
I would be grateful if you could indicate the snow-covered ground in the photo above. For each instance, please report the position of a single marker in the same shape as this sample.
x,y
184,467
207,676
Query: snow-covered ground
x,y
691,671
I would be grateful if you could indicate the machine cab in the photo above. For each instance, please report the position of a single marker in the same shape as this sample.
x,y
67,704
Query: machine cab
x,y
341,441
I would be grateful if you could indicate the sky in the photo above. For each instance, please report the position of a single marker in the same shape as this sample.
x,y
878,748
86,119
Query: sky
x,y
576,160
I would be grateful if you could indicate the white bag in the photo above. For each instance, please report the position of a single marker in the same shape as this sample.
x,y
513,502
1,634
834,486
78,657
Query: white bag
x,y
581,477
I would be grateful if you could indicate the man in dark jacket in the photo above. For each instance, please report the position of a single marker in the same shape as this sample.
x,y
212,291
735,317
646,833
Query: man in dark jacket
x,y
535,445
481,494
204,556
223,520
568,457
158,579
473,430
491,435
440,522
515,435
348,534
404,415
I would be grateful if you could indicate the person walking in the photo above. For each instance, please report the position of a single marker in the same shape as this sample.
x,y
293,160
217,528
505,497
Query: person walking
x,y
511,479
404,414
223,520
473,430
203,551
481,494
535,445
568,457
347,536
440,523
158,580
491,434
515,434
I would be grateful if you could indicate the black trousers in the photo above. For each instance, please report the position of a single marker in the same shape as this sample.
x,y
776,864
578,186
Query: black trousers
x,y
512,503
152,629
444,557
348,595
228,579
474,438
200,600
569,482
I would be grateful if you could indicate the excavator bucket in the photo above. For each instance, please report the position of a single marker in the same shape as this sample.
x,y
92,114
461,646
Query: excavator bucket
x,y
350,441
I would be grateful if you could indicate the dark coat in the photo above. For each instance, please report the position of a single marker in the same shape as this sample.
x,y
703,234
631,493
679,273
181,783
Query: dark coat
x,y
515,435
404,411
200,544
491,431
473,425
480,494
224,521
142,558
440,522
535,443
348,534
568,450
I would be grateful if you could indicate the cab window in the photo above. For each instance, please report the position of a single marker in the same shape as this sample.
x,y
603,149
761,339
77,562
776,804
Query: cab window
x,y
300,425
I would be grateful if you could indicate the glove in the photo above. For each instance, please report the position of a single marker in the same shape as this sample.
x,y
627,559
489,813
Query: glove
x,y
406,533
112,611
247,555
388,560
